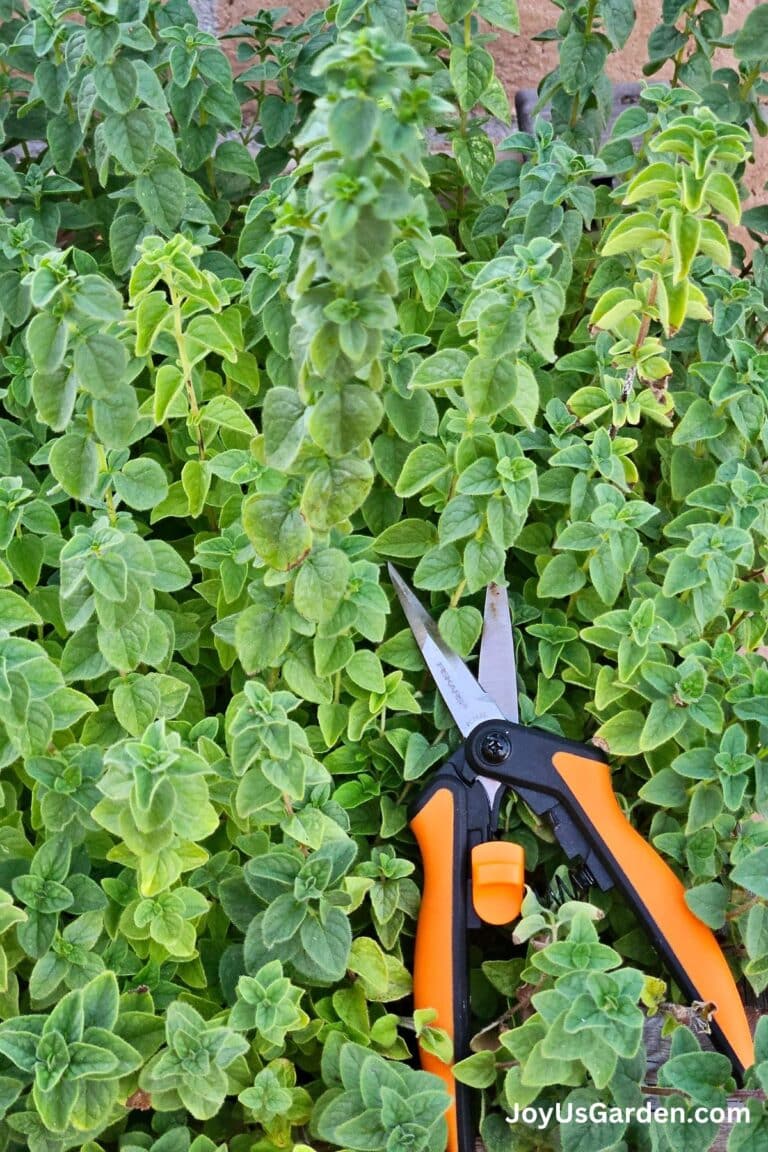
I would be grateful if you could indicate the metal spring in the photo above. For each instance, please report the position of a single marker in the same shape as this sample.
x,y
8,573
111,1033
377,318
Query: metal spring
x,y
578,881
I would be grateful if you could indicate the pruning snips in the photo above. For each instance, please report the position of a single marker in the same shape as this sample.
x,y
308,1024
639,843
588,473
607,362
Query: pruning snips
x,y
471,878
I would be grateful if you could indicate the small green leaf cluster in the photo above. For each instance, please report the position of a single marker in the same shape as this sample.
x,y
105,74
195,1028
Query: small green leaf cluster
x,y
305,922
374,1104
276,1103
577,90
156,803
587,1016
74,1056
190,1070
269,1004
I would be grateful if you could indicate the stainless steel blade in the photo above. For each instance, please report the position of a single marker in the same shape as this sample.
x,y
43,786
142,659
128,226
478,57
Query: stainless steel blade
x,y
465,699
497,672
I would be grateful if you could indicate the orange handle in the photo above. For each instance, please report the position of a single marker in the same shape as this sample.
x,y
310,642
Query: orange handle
x,y
689,947
469,879
439,974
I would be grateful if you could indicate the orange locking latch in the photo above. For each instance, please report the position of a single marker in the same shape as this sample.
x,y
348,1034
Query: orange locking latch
x,y
498,880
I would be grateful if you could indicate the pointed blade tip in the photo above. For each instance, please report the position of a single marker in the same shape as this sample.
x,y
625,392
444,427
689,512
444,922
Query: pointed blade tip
x,y
399,585
464,697
497,670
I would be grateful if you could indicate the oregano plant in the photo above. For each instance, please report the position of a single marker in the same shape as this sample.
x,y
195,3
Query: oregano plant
x,y
257,338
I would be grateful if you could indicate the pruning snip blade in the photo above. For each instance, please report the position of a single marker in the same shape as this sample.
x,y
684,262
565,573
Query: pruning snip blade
x,y
494,696
497,670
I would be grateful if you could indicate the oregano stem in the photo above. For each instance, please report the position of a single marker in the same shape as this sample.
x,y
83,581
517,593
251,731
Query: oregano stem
x,y
186,368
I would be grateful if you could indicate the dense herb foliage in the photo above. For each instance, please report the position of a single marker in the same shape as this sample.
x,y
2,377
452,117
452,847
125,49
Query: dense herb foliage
x,y
233,387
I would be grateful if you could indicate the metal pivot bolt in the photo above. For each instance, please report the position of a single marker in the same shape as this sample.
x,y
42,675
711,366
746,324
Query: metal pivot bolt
x,y
495,748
